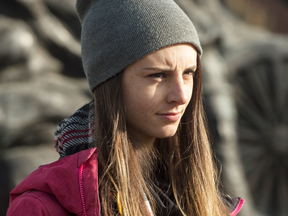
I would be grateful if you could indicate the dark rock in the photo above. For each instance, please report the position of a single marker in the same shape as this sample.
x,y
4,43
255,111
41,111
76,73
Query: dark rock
x,y
5,186
15,10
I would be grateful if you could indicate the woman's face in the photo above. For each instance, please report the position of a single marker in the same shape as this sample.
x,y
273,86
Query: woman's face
x,y
156,91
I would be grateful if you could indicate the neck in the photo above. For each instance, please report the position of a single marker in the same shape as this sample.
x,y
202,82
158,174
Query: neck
x,y
141,142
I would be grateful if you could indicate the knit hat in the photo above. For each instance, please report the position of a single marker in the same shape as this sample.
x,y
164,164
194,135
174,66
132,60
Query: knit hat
x,y
116,33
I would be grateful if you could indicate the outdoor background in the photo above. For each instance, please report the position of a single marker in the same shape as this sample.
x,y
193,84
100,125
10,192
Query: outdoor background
x,y
245,66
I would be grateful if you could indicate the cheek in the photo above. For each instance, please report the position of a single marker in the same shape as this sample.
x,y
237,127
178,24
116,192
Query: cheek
x,y
137,101
189,91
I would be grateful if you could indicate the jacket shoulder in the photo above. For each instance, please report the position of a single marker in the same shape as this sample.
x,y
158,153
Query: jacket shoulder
x,y
36,203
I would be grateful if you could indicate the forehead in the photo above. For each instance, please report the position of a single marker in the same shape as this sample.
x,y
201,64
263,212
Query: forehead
x,y
180,55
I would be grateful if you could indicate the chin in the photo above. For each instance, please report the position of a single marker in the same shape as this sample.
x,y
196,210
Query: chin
x,y
167,133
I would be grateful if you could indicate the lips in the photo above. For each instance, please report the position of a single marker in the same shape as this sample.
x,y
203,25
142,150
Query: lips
x,y
170,116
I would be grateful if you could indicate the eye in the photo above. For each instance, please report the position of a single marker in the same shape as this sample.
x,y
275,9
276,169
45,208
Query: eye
x,y
157,75
190,72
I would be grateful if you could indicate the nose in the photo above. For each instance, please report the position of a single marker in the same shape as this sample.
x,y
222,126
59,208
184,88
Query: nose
x,y
179,91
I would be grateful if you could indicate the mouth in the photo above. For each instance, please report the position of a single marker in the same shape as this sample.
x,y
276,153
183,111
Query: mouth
x,y
170,116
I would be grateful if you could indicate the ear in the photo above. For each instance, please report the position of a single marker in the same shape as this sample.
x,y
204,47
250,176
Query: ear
x,y
82,7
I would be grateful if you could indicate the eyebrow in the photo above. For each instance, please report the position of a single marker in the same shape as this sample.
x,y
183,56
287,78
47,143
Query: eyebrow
x,y
169,70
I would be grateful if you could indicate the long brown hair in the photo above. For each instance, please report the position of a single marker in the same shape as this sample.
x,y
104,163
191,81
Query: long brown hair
x,y
185,160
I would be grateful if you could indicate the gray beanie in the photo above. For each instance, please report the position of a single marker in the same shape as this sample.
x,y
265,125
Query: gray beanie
x,y
116,33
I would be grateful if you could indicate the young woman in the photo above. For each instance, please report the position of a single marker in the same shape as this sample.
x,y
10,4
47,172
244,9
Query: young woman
x,y
141,146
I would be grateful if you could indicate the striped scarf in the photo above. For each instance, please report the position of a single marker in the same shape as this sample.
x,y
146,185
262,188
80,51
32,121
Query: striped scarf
x,y
76,132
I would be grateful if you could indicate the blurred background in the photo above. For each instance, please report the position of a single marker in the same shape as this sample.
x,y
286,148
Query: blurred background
x,y
245,66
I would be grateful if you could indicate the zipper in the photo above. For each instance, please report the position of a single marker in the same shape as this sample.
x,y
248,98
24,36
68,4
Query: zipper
x,y
238,208
80,174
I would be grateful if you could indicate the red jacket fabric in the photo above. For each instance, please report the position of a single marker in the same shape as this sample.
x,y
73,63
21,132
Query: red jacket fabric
x,y
66,186
63,188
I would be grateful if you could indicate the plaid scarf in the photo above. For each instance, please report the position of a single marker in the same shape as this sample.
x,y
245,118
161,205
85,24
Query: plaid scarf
x,y
75,133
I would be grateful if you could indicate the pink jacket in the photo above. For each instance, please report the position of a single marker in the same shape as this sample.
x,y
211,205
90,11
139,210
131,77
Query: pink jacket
x,y
51,189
